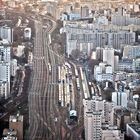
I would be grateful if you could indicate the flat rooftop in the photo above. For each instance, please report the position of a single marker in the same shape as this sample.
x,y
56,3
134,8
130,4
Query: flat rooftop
x,y
135,126
16,118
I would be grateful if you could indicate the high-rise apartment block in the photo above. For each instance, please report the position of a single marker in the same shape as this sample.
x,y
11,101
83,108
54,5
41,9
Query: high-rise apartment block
x,y
13,67
119,97
92,123
108,56
4,69
96,112
88,38
124,20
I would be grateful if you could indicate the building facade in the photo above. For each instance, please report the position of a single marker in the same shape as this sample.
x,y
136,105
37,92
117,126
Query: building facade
x,y
6,33
4,70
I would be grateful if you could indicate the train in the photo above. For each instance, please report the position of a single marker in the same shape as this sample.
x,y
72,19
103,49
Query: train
x,y
85,91
84,84
81,73
76,73
60,92
59,74
78,83
67,95
99,90
50,69
92,91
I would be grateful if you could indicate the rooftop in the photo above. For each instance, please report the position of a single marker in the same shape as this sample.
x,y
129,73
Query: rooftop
x,y
16,118
9,132
9,138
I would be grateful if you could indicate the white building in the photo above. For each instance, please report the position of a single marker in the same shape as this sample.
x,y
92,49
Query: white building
x,y
97,104
103,72
84,11
108,56
4,54
3,89
99,53
124,20
136,100
5,78
6,33
20,50
102,20
119,99
27,33
115,39
96,112
13,67
92,124
4,69
86,37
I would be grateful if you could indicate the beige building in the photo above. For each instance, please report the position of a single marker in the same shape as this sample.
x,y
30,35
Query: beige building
x,y
96,112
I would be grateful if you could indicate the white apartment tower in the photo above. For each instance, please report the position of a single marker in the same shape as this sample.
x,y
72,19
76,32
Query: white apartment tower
x,y
108,56
92,121
13,67
96,112
119,99
4,70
